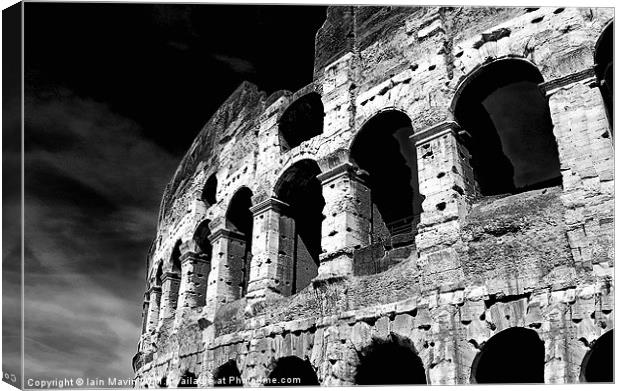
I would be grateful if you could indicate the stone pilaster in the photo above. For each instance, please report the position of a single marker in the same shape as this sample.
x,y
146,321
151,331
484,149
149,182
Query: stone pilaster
x,y
347,223
152,317
272,250
169,296
226,278
446,180
586,156
194,271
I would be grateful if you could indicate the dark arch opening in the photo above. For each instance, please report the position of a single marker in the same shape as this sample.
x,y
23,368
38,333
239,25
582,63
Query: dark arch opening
x,y
158,274
512,144
598,364
301,121
227,375
293,371
176,258
383,149
163,382
209,191
390,362
201,237
188,380
515,355
604,68
240,220
300,225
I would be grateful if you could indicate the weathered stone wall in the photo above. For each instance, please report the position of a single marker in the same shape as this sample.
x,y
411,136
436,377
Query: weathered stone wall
x,y
541,260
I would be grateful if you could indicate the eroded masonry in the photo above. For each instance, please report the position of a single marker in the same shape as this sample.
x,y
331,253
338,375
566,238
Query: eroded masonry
x,y
435,207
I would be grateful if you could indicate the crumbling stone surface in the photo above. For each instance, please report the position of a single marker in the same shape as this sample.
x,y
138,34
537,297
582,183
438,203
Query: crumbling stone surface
x,y
476,266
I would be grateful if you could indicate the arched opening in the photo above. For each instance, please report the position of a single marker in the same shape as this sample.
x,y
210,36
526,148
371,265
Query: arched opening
x,y
162,382
383,149
604,68
598,364
209,191
390,362
240,220
201,238
512,144
175,258
158,274
227,375
293,371
300,225
515,355
188,380
301,121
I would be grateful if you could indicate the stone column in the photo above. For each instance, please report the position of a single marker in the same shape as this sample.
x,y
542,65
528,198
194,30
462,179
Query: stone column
x,y
152,318
169,296
347,223
446,180
194,271
226,275
586,156
272,250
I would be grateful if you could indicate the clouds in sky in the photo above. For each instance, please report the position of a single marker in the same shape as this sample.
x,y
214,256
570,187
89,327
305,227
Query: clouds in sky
x,y
93,184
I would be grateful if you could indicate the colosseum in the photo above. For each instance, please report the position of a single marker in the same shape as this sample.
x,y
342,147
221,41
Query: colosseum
x,y
435,207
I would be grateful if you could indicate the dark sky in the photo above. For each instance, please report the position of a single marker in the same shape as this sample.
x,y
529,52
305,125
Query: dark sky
x,y
115,93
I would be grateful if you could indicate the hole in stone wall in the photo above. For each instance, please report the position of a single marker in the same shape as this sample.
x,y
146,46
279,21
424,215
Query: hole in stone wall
x,y
515,355
383,149
387,362
604,68
227,375
598,363
301,121
163,382
512,144
240,220
293,371
303,192
538,20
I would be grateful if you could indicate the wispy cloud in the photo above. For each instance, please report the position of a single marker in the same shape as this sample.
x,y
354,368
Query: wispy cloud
x,y
236,64
93,184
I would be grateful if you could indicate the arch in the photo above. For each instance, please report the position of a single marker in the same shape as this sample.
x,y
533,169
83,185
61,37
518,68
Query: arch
x,y
240,220
300,225
188,379
383,149
175,258
604,67
293,371
162,383
209,191
158,274
301,121
227,375
514,355
392,361
598,363
512,144
201,237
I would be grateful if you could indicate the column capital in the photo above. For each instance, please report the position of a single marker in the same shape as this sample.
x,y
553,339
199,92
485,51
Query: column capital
x,y
549,87
342,170
269,204
226,233
170,276
435,131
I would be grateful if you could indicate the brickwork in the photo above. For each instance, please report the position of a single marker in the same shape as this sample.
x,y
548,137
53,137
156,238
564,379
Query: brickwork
x,y
478,267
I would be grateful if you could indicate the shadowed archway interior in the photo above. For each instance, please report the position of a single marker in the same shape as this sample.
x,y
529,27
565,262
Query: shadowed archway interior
x,y
301,121
383,149
240,220
227,375
301,223
293,371
515,355
604,68
512,144
598,364
390,362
